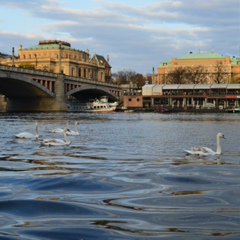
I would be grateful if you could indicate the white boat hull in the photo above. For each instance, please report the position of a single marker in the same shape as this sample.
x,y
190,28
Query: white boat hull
x,y
84,109
233,110
95,105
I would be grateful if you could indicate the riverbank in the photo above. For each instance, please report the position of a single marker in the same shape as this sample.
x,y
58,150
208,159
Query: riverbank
x,y
176,110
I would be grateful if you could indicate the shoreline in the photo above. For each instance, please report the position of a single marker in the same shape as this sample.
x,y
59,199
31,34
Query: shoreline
x,y
177,110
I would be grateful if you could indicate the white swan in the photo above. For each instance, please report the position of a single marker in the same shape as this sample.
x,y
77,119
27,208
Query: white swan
x,y
207,151
27,134
59,130
56,142
71,132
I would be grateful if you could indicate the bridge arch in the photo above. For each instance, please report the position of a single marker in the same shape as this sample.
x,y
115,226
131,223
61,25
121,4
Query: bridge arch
x,y
87,92
15,86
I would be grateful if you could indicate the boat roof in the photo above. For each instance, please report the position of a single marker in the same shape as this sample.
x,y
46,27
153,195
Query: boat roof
x,y
192,86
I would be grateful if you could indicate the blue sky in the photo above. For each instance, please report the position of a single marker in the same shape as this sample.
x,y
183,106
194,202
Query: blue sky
x,y
137,35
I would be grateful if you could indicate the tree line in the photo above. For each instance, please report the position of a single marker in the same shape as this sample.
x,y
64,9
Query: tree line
x,y
131,77
197,75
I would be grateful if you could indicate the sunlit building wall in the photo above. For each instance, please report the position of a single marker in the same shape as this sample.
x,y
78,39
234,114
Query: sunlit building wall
x,y
230,67
58,56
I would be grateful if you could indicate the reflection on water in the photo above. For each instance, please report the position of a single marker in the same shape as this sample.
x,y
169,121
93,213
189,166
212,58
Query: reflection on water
x,y
125,176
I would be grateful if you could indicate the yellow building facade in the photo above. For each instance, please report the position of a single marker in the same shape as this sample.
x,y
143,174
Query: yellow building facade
x,y
59,57
211,64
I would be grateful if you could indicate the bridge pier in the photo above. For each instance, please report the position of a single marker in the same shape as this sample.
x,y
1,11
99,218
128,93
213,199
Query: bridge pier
x,y
60,98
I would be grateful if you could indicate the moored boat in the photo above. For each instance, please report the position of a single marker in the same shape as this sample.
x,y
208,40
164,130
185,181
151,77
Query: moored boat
x,y
94,105
233,110
163,110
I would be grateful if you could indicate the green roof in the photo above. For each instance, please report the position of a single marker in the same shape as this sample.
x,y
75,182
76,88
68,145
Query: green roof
x,y
165,63
190,55
235,60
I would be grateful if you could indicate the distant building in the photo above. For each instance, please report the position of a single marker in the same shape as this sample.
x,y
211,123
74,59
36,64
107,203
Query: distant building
x,y
191,96
4,56
58,56
207,68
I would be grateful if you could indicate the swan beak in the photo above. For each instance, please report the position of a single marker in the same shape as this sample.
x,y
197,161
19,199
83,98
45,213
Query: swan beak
x,y
223,137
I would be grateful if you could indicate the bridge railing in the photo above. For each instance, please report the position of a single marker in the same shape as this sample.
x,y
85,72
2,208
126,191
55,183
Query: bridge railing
x,y
83,80
29,71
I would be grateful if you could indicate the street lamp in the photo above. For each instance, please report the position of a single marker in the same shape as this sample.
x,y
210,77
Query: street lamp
x,y
59,58
13,65
36,61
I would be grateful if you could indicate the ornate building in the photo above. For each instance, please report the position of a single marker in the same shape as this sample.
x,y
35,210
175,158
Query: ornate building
x,y
58,56
196,68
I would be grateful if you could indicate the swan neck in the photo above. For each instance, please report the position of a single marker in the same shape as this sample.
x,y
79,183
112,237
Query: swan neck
x,y
218,145
65,137
76,127
37,131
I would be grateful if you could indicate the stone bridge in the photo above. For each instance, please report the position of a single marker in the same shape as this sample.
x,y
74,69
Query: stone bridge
x,y
30,90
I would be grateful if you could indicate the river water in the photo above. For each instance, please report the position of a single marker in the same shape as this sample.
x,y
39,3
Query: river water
x,y
125,176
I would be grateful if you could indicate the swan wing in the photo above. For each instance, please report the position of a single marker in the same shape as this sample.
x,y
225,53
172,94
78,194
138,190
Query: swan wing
x,y
25,135
57,142
209,151
197,151
53,142
72,133
57,130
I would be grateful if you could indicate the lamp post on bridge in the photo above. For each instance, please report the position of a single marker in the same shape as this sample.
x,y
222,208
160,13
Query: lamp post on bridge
x,y
60,58
36,61
13,65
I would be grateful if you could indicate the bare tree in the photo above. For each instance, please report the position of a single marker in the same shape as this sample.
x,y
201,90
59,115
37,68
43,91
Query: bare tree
x,y
196,75
176,76
126,77
218,76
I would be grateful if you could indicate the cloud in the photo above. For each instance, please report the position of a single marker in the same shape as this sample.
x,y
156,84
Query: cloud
x,y
135,36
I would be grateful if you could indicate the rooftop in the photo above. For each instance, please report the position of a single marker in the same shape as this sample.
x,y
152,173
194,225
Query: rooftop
x,y
51,44
235,60
192,55
102,60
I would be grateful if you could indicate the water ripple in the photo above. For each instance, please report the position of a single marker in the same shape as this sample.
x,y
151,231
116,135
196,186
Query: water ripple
x,y
131,181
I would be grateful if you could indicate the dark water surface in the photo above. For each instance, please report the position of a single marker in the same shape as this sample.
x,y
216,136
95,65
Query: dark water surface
x,y
125,176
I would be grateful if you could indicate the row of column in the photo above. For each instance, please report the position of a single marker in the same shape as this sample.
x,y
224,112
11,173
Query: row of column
x,y
46,83
82,72
185,102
